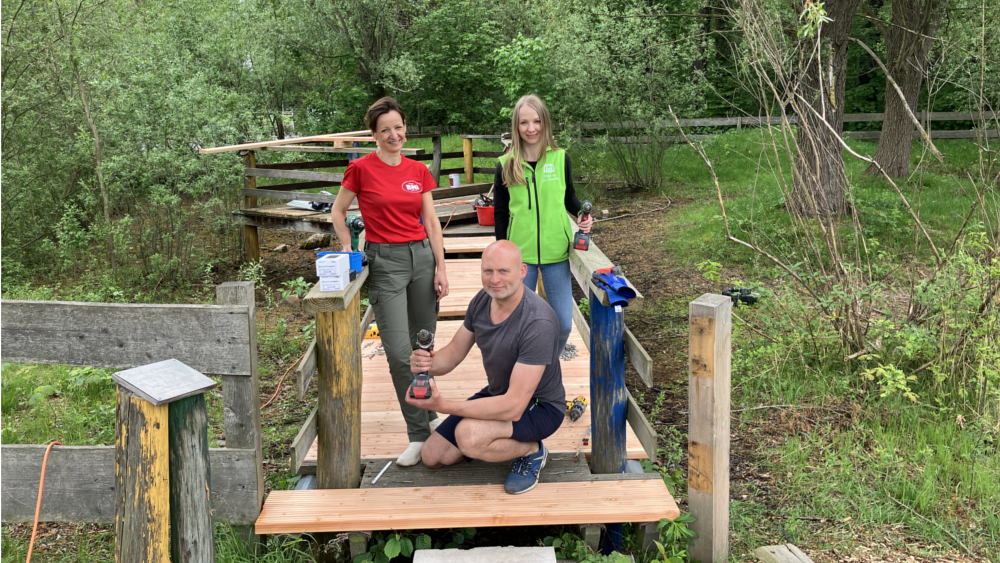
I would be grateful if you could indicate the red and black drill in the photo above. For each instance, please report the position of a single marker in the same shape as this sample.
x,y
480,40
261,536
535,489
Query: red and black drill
x,y
420,387
582,240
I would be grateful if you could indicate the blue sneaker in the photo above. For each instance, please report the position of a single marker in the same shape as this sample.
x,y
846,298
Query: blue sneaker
x,y
524,475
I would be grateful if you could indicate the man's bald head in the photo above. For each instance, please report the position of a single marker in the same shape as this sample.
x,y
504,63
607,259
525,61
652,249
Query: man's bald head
x,y
502,270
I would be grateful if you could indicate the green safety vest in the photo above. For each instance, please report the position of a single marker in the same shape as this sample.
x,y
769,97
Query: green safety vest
x,y
538,222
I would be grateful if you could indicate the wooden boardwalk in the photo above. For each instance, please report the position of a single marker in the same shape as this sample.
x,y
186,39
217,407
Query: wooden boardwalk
x,y
383,431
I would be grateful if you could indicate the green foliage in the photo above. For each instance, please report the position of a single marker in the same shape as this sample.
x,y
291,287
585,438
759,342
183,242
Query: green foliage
x,y
570,546
386,547
524,69
676,537
299,286
585,306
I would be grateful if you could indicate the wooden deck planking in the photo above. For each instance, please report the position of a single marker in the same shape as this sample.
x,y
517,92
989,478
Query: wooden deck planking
x,y
383,431
416,508
454,208
454,245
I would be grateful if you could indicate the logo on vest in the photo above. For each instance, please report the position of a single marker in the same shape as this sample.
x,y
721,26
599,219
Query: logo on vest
x,y
549,168
412,187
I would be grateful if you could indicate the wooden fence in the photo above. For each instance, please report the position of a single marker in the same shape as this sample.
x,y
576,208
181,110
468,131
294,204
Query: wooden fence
x,y
215,339
750,121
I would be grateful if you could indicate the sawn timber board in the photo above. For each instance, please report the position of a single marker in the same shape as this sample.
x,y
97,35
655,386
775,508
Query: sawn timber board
x,y
346,510
383,431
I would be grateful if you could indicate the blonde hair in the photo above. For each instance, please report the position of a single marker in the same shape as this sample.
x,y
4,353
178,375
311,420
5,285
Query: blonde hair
x,y
513,172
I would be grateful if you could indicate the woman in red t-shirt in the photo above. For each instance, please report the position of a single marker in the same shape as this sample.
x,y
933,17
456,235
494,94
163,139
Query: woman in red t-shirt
x,y
405,255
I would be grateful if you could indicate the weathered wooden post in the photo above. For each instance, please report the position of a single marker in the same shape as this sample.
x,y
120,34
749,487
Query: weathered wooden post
x,y
436,162
251,243
161,465
338,380
470,175
708,425
607,387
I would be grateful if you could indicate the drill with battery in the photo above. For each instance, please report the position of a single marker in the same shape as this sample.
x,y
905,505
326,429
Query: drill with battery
x,y
582,240
356,224
420,387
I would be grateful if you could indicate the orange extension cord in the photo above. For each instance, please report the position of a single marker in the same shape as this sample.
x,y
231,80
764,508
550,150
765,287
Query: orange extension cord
x,y
38,505
280,381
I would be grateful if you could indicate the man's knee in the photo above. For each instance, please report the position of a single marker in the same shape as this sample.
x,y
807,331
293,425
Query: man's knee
x,y
467,438
438,452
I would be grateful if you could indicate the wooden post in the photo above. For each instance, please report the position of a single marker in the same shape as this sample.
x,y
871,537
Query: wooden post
x,y
142,482
609,403
436,163
251,243
708,425
191,537
241,394
470,176
338,364
161,461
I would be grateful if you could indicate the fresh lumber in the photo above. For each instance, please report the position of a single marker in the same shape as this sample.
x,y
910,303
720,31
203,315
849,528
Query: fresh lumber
x,y
355,150
294,174
113,335
273,143
419,508
470,245
786,553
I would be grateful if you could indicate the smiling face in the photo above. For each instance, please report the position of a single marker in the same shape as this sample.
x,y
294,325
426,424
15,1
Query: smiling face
x,y
503,270
390,132
529,126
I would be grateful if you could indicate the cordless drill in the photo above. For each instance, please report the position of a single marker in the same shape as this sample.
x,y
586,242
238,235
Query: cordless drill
x,y
582,240
420,387
356,224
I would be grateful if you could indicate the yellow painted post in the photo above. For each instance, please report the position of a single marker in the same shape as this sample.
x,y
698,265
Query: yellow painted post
x,y
470,176
142,480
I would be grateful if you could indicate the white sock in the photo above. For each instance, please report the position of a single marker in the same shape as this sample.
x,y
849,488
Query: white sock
x,y
435,423
410,456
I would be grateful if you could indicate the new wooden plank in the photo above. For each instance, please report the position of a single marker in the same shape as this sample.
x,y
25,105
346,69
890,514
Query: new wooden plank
x,y
305,165
294,174
467,228
355,150
786,553
210,338
479,506
80,484
263,144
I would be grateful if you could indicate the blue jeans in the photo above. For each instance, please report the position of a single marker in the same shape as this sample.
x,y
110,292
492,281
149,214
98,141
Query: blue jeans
x,y
558,282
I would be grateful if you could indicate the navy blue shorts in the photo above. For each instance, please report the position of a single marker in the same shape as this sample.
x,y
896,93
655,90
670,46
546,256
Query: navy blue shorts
x,y
538,422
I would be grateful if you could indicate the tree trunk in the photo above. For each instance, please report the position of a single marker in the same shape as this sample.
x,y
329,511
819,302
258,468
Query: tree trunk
x,y
819,167
908,46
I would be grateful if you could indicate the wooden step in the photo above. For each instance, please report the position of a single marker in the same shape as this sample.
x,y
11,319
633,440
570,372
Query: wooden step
x,y
420,508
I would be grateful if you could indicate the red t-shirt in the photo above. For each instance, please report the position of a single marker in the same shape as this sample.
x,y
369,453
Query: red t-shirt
x,y
389,197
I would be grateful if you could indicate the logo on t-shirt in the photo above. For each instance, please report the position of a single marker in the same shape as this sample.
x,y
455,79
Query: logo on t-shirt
x,y
549,168
412,187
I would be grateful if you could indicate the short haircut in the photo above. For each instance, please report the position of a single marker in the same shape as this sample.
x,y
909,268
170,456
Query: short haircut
x,y
380,108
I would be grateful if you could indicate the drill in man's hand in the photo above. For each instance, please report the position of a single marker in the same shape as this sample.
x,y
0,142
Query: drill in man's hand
x,y
582,240
420,387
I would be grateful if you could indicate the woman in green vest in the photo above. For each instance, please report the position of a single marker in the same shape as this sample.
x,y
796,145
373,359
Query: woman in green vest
x,y
533,191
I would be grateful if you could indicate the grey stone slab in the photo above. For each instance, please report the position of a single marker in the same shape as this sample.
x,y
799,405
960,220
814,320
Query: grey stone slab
x,y
487,555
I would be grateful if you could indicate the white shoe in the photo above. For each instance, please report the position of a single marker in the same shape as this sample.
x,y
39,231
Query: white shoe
x,y
411,455
435,423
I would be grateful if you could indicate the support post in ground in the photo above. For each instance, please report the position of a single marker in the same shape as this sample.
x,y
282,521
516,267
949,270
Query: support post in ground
x,y
470,176
251,243
142,480
191,539
708,425
436,162
608,398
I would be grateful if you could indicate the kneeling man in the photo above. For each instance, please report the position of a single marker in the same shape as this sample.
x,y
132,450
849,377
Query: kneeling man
x,y
525,402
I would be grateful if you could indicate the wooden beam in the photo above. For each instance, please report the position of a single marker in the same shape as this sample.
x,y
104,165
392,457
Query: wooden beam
x,y
191,537
263,144
436,162
356,150
295,174
338,419
444,155
467,153
304,196
639,358
305,371
608,404
301,444
295,225
251,244
142,484
122,336
317,301
295,186
304,165
708,424
80,484
786,553
445,192
582,264
643,430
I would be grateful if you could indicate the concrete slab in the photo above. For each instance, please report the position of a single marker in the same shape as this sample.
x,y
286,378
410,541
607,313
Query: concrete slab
x,y
487,555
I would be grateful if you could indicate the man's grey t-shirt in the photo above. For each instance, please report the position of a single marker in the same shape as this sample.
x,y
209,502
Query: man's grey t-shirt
x,y
530,335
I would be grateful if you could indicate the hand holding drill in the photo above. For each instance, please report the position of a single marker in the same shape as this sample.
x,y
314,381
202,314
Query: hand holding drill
x,y
420,387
